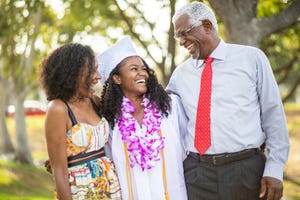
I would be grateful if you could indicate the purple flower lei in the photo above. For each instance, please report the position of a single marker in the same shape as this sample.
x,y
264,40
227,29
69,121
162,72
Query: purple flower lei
x,y
142,149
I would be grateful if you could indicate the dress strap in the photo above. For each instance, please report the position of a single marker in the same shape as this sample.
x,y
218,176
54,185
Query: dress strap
x,y
71,114
96,108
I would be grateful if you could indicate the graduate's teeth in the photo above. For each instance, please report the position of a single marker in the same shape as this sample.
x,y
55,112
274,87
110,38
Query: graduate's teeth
x,y
140,81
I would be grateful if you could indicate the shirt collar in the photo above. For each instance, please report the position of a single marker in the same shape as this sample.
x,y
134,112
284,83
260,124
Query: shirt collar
x,y
220,51
219,54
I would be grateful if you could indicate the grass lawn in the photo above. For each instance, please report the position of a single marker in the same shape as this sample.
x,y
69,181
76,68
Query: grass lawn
x,y
24,182
27,182
34,183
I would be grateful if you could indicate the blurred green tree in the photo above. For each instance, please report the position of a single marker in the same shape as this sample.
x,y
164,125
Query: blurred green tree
x,y
19,27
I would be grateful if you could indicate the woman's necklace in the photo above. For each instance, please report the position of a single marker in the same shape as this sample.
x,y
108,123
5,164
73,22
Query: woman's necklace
x,y
143,149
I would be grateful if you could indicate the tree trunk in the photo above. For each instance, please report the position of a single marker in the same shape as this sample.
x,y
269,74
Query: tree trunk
x,y
243,26
6,146
21,87
23,152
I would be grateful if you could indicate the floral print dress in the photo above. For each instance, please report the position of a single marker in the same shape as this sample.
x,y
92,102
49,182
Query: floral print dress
x,y
96,178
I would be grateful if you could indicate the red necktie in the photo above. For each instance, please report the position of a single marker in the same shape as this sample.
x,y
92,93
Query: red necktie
x,y
202,132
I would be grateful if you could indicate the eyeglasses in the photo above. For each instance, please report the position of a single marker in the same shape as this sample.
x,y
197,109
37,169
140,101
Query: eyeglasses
x,y
183,33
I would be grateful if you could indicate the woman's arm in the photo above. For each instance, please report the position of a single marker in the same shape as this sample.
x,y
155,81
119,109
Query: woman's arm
x,y
56,125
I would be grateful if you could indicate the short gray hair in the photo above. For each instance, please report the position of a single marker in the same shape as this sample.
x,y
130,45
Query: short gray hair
x,y
197,12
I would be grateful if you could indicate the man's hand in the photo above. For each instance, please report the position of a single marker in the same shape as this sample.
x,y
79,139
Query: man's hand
x,y
272,186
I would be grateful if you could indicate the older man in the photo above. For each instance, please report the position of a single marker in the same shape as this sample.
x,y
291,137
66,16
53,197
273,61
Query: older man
x,y
233,105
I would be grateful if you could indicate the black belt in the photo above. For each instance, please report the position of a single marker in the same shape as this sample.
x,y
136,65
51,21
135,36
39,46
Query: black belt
x,y
224,158
85,157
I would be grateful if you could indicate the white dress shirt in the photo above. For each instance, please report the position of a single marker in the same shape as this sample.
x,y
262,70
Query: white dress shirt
x,y
246,107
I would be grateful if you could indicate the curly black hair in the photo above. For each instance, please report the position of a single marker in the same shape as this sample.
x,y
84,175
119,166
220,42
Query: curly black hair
x,y
60,71
112,95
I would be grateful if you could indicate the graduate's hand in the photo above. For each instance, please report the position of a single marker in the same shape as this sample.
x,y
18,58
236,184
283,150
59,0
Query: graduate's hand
x,y
47,165
272,187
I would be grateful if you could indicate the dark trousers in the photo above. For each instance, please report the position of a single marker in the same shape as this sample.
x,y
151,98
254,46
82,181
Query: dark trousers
x,y
239,180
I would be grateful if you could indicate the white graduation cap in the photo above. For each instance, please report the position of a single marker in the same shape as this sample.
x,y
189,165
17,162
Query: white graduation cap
x,y
109,59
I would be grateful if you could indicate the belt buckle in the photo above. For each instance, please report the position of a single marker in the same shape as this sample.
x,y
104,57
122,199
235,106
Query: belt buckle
x,y
215,157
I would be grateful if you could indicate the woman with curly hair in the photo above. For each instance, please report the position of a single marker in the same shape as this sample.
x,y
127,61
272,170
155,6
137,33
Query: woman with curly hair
x,y
75,132
144,140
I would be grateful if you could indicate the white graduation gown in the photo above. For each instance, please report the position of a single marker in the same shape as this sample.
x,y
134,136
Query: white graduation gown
x,y
148,184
